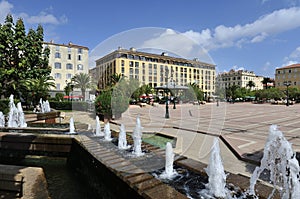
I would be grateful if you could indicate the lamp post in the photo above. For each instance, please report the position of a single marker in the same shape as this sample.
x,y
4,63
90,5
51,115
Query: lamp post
x,y
174,98
167,105
287,84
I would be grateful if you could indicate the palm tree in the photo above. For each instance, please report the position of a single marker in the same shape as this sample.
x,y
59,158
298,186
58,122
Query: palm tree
x,y
250,84
265,81
115,78
37,88
83,82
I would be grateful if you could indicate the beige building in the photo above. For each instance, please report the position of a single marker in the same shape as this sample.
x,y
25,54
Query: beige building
x,y
240,78
289,74
66,60
154,70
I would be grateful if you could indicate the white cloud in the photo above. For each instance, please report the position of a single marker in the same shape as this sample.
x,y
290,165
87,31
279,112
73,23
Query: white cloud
x,y
295,54
236,68
5,8
293,58
178,44
44,17
290,62
222,36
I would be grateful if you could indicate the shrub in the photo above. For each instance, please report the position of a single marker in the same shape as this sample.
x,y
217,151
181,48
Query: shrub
x,y
4,106
69,105
59,96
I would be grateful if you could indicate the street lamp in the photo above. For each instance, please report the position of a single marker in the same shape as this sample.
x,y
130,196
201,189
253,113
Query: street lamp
x,y
287,84
167,105
174,98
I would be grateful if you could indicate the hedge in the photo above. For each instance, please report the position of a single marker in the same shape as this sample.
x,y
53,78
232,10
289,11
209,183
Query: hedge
x,y
69,105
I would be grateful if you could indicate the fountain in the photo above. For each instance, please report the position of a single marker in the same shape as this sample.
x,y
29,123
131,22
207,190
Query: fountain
x,y
137,138
281,161
21,117
72,127
107,132
122,142
43,107
169,172
13,113
2,120
98,132
16,116
47,106
216,175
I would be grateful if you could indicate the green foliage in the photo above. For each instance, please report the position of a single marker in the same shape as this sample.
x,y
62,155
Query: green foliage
x,y
69,105
115,101
103,103
59,96
82,81
34,89
144,89
271,93
194,93
21,56
4,106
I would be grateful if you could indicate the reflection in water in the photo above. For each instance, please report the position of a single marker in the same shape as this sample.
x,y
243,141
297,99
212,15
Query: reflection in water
x,y
63,183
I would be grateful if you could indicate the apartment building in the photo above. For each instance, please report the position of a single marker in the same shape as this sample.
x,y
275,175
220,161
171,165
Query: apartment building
x,y
154,69
288,74
66,60
240,78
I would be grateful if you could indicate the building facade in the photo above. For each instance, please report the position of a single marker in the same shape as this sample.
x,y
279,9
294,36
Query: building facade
x,y
154,70
288,74
240,78
66,60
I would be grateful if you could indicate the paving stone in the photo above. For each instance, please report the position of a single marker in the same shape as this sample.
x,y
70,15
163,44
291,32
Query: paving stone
x,y
163,191
144,185
138,178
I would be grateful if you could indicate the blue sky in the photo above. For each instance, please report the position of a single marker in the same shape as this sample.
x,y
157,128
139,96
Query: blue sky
x,y
256,35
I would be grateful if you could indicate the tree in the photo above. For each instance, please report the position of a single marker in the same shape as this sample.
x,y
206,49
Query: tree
x,y
115,100
21,56
194,92
115,78
250,84
233,92
36,89
265,81
83,82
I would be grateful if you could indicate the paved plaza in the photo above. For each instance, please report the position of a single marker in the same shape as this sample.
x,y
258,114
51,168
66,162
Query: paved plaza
x,y
242,128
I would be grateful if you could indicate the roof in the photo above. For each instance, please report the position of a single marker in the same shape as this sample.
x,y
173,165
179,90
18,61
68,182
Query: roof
x,y
290,66
67,45
159,57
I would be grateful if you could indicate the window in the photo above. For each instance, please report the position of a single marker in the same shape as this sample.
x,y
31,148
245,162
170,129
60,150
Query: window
x,y
57,86
69,66
57,76
68,76
131,64
57,48
79,57
57,65
57,55
79,50
122,62
69,56
79,67
69,49
278,72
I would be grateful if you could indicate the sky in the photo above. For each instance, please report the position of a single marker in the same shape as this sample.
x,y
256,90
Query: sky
x,y
256,35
